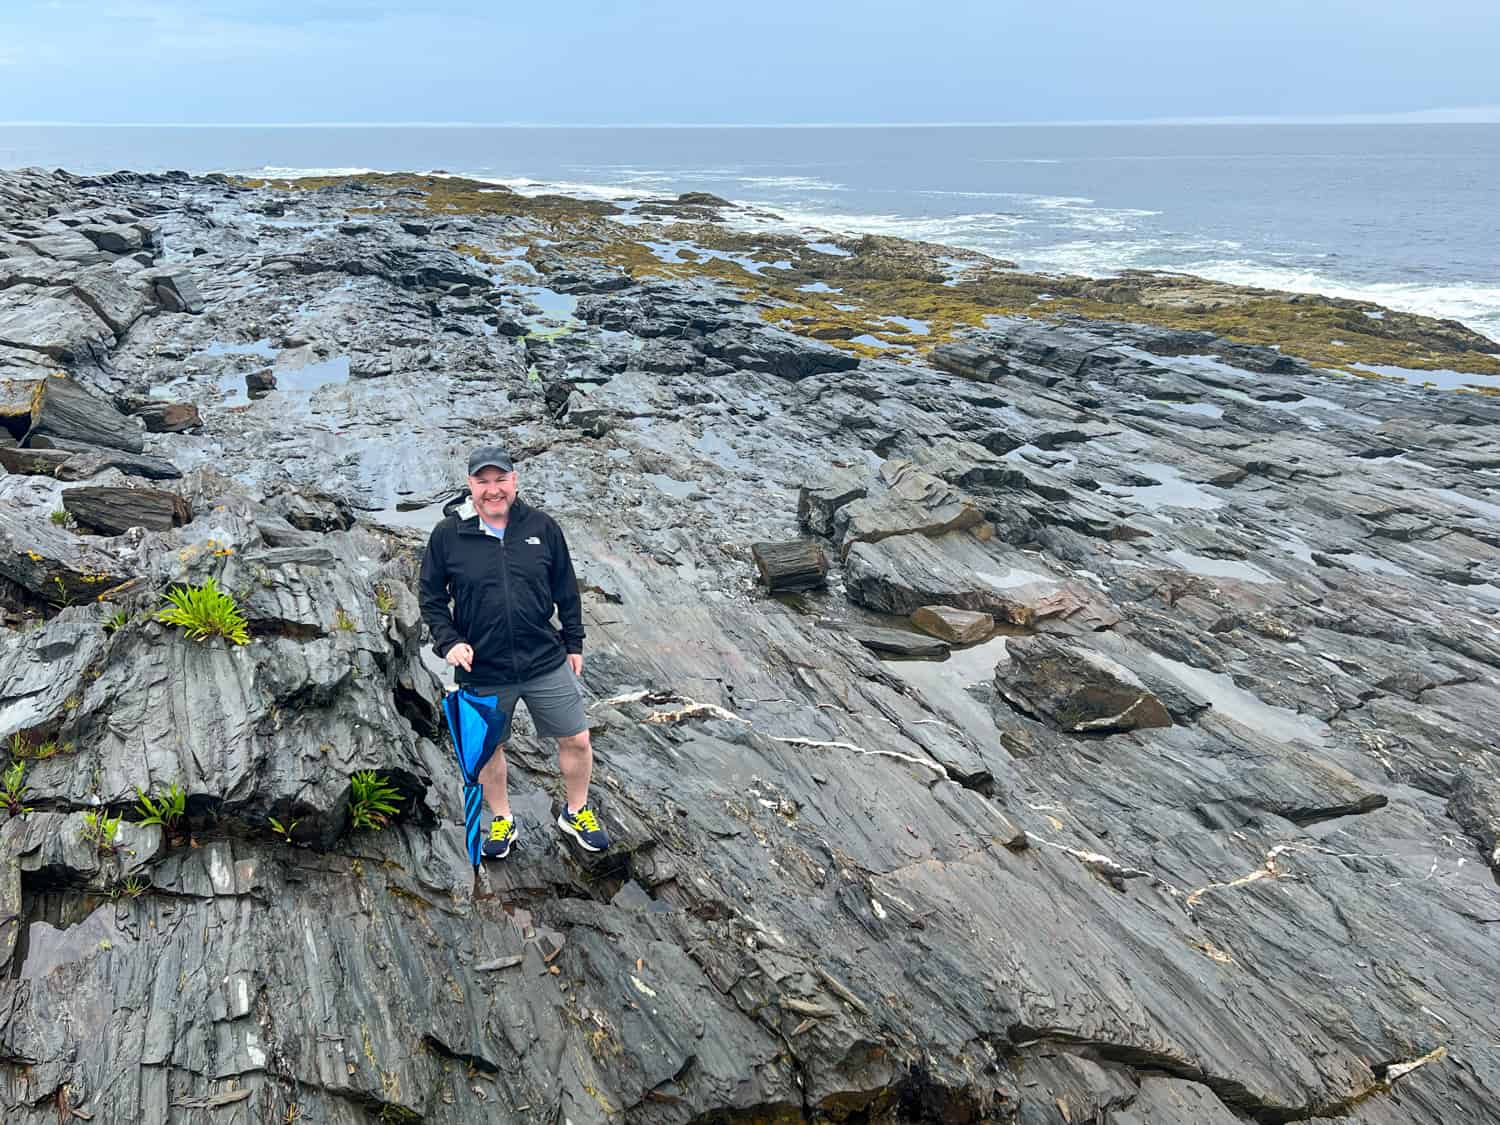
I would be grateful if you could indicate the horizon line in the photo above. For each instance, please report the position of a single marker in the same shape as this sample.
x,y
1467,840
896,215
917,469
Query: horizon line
x,y
1458,115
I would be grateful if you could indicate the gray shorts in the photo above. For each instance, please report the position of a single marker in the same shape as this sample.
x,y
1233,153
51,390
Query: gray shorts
x,y
554,700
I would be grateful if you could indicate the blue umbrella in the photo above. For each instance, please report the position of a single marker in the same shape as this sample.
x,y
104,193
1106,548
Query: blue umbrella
x,y
477,725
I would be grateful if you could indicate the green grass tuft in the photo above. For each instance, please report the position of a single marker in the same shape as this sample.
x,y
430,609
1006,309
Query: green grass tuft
x,y
373,800
205,611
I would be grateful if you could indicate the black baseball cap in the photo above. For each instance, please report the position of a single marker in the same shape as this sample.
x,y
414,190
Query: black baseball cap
x,y
490,457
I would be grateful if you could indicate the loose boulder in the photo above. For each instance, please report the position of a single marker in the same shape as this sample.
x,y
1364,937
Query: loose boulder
x,y
818,503
898,642
178,292
112,510
791,566
169,417
64,409
1076,689
957,626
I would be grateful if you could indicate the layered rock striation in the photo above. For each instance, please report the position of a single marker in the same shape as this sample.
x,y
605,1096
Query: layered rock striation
x,y
1196,821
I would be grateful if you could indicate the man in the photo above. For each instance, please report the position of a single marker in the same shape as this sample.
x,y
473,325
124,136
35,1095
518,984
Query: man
x,y
505,565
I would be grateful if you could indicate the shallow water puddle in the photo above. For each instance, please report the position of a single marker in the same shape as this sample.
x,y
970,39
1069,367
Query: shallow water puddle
x,y
1172,489
671,252
258,347
555,306
423,518
971,665
298,381
1206,409
1234,702
1369,564
1442,379
718,449
1013,578
1473,503
1216,568
681,489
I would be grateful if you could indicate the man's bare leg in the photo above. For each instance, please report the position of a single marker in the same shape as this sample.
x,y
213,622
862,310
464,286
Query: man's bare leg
x,y
575,757
492,778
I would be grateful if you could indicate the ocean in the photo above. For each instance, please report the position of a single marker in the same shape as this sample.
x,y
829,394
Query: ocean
x,y
1404,215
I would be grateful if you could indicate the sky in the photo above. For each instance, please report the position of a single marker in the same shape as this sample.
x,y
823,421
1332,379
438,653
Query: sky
x,y
761,62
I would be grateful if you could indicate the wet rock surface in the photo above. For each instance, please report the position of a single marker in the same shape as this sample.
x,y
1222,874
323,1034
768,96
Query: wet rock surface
x,y
845,886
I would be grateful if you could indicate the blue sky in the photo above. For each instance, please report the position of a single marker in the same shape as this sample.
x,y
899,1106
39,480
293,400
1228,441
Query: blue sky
x,y
769,61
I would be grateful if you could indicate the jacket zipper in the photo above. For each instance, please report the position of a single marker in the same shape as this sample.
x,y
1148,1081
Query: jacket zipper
x,y
510,621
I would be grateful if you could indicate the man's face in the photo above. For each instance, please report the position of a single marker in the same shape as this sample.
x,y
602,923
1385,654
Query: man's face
x,y
492,492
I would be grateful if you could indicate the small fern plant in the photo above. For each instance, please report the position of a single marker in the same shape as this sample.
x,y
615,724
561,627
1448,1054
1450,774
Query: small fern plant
x,y
13,790
205,611
166,809
101,830
373,800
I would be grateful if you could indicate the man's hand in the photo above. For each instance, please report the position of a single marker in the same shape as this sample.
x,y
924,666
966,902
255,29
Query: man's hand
x,y
575,662
461,656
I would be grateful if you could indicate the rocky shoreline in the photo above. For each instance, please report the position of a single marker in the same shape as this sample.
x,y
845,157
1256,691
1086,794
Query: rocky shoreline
x,y
1190,813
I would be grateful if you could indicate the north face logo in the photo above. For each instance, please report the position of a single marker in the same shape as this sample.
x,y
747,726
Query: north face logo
x,y
533,540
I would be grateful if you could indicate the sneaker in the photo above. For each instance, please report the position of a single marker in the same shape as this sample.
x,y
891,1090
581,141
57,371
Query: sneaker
x,y
584,827
502,836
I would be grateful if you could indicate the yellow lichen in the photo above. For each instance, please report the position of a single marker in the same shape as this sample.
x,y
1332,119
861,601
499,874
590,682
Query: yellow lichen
x,y
950,290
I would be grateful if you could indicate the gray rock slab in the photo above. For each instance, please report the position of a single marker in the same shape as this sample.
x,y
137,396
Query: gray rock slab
x,y
118,299
902,573
69,246
898,642
67,411
61,327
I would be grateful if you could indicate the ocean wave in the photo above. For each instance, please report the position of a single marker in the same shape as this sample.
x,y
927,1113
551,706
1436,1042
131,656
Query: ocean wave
x,y
793,183
1026,196
1475,305
524,185
274,172
1062,202
957,230
663,173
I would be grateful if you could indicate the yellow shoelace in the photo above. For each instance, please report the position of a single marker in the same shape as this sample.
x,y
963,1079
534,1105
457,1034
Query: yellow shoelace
x,y
585,819
499,829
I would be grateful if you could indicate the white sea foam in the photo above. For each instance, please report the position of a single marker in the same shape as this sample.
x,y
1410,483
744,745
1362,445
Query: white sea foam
x,y
1477,305
272,172
959,230
793,183
523,185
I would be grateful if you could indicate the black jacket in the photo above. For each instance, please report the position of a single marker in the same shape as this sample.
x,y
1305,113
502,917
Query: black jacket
x,y
503,592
